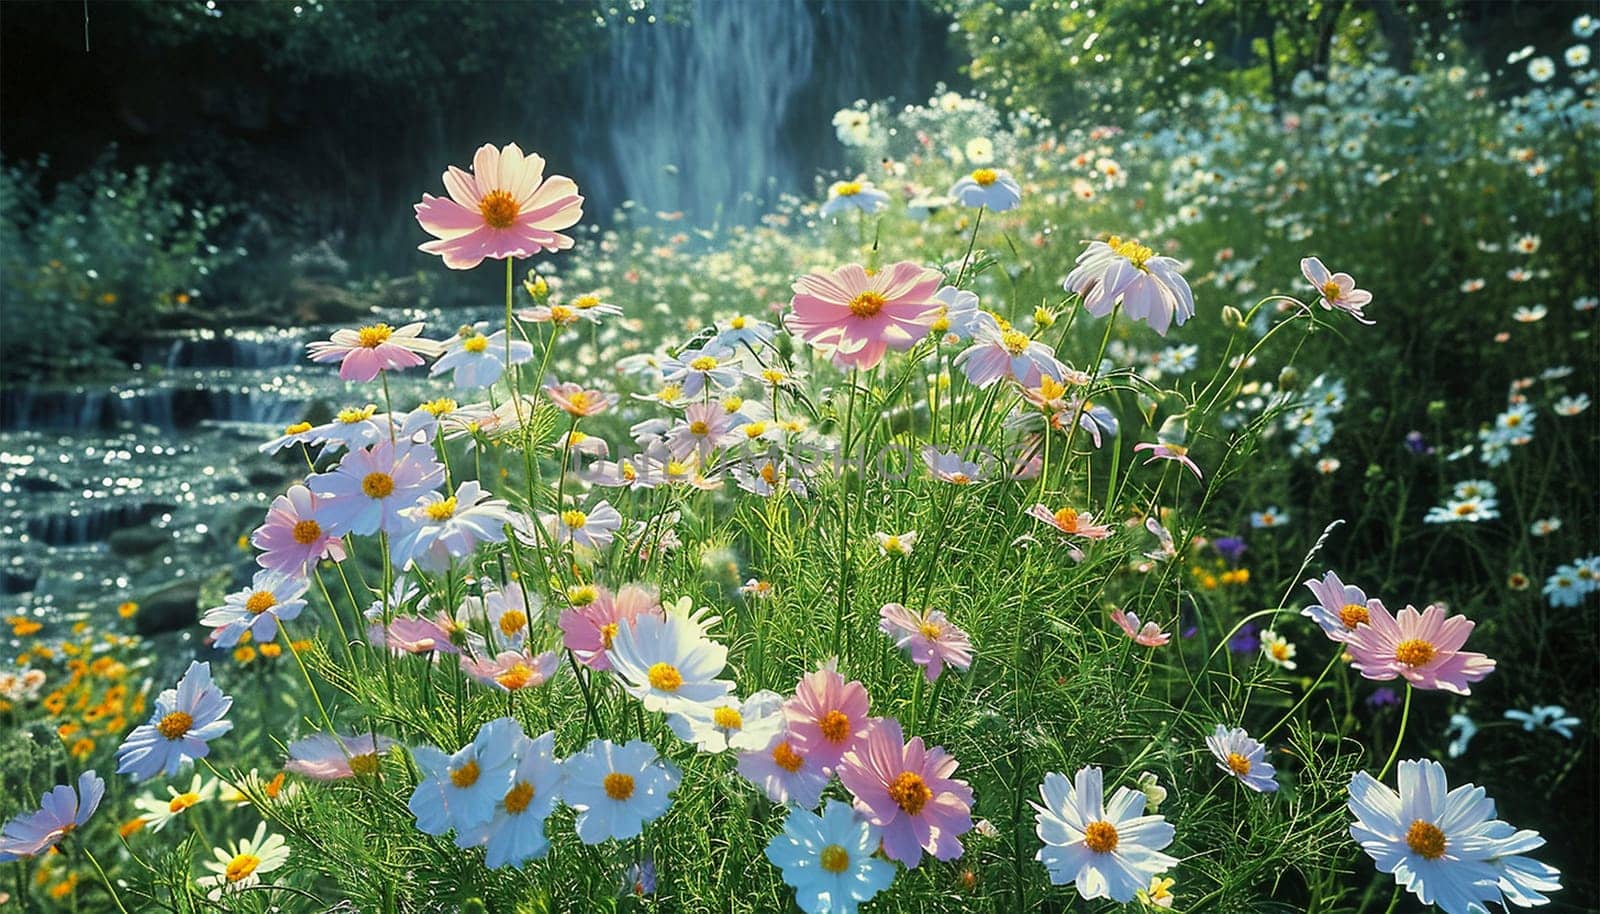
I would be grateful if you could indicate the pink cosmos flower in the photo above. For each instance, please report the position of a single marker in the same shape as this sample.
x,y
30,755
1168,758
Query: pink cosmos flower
x,y
587,630
1424,647
333,757
951,467
785,773
1009,353
1340,607
1150,635
1338,290
504,208
856,318
291,539
827,716
907,791
1149,286
363,353
369,488
61,812
929,636
1168,452
510,671
577,401
444,528
417,634
1068,522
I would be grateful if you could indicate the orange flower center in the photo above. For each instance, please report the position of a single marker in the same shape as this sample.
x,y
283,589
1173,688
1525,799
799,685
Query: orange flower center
x,y
466,775
1100,837
910,792
175,725
608,631
307,532
499,209
1414,652
784,756
1067,519
183,801
1425,839
260,602
834,859
241,866
835,726
515,678
1238,764
619,786
513,621
518,797
665,677
377,485
1353,614
867,304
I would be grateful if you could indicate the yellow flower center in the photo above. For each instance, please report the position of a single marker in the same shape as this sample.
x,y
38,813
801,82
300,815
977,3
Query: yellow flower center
x,y
561,314
585,302
1353,614
1414,652
1425,839
738,322
365,763
931,631
910,792
241,866
835,726
769,474
1067,519
703,363
515,678
867,304
1100,837
847,188
579,401
834,859
1131,251
1279,651
260,601
1015,341
1331,290
499,209
440,406
1238,764
351,415
441,510
378,485
574,519
699,427
732,405
728,718
608,632
513,621
985,176
175,725
892,544
518,797
476,343
307,532
665,677
297,428
183,801
466,775
376,335
784,756
619,786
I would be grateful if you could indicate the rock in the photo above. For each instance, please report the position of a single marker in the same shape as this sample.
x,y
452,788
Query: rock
x,y
174,606
141,540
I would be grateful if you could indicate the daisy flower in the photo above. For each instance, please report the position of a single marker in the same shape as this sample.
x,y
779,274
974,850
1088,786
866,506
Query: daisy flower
x,y
1244,758
1108,850
592,529
352,427
243,862
291,540
1168,451
297,433
668,663
993,188
257,609
515,833
828,859
857,195
510,671
334,757
1009,353
950,467
508,610
589,629
185,719
576,401
705,428
899,544
696,369
504,208
1266,519
364,352
907,790
1338,290
61,811
1150,635
1340,607
855,318
959,316
1545,717
1571,405
477,360
450,528
727,723
1277,649
1148,286
617,789
1424,647
827,716
462,790
369,488
1068,522
156,812
784,773
929,637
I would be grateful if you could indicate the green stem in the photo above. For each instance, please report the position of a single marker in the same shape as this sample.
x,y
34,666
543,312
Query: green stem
x,y
1399,737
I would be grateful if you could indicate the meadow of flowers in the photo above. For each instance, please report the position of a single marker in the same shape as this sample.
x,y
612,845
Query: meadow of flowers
x,y
1040,518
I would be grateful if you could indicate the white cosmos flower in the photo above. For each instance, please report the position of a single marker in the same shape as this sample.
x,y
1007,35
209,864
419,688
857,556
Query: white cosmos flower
x,y
1244,758
828,859
727,723
515,833
1108,850
617,789
462,791
668,663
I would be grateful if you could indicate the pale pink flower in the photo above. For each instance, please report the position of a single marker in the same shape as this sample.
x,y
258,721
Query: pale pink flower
x,y
291,539
1009,353
1150,635
510,671
587,630
929,636
1148,285
827,715
1340,607
364,352
856,317
1338,290
332,757
61,811
951,467
577,401
907,790
1068,522
1166,451
1424,648
504,208
785,773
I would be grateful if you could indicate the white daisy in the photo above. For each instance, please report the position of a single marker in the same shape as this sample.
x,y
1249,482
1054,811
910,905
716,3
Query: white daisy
x,y
1108,850
617,789
515,833
828,859
462,791
1244,758
726,723
158,811
668,663
243,862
